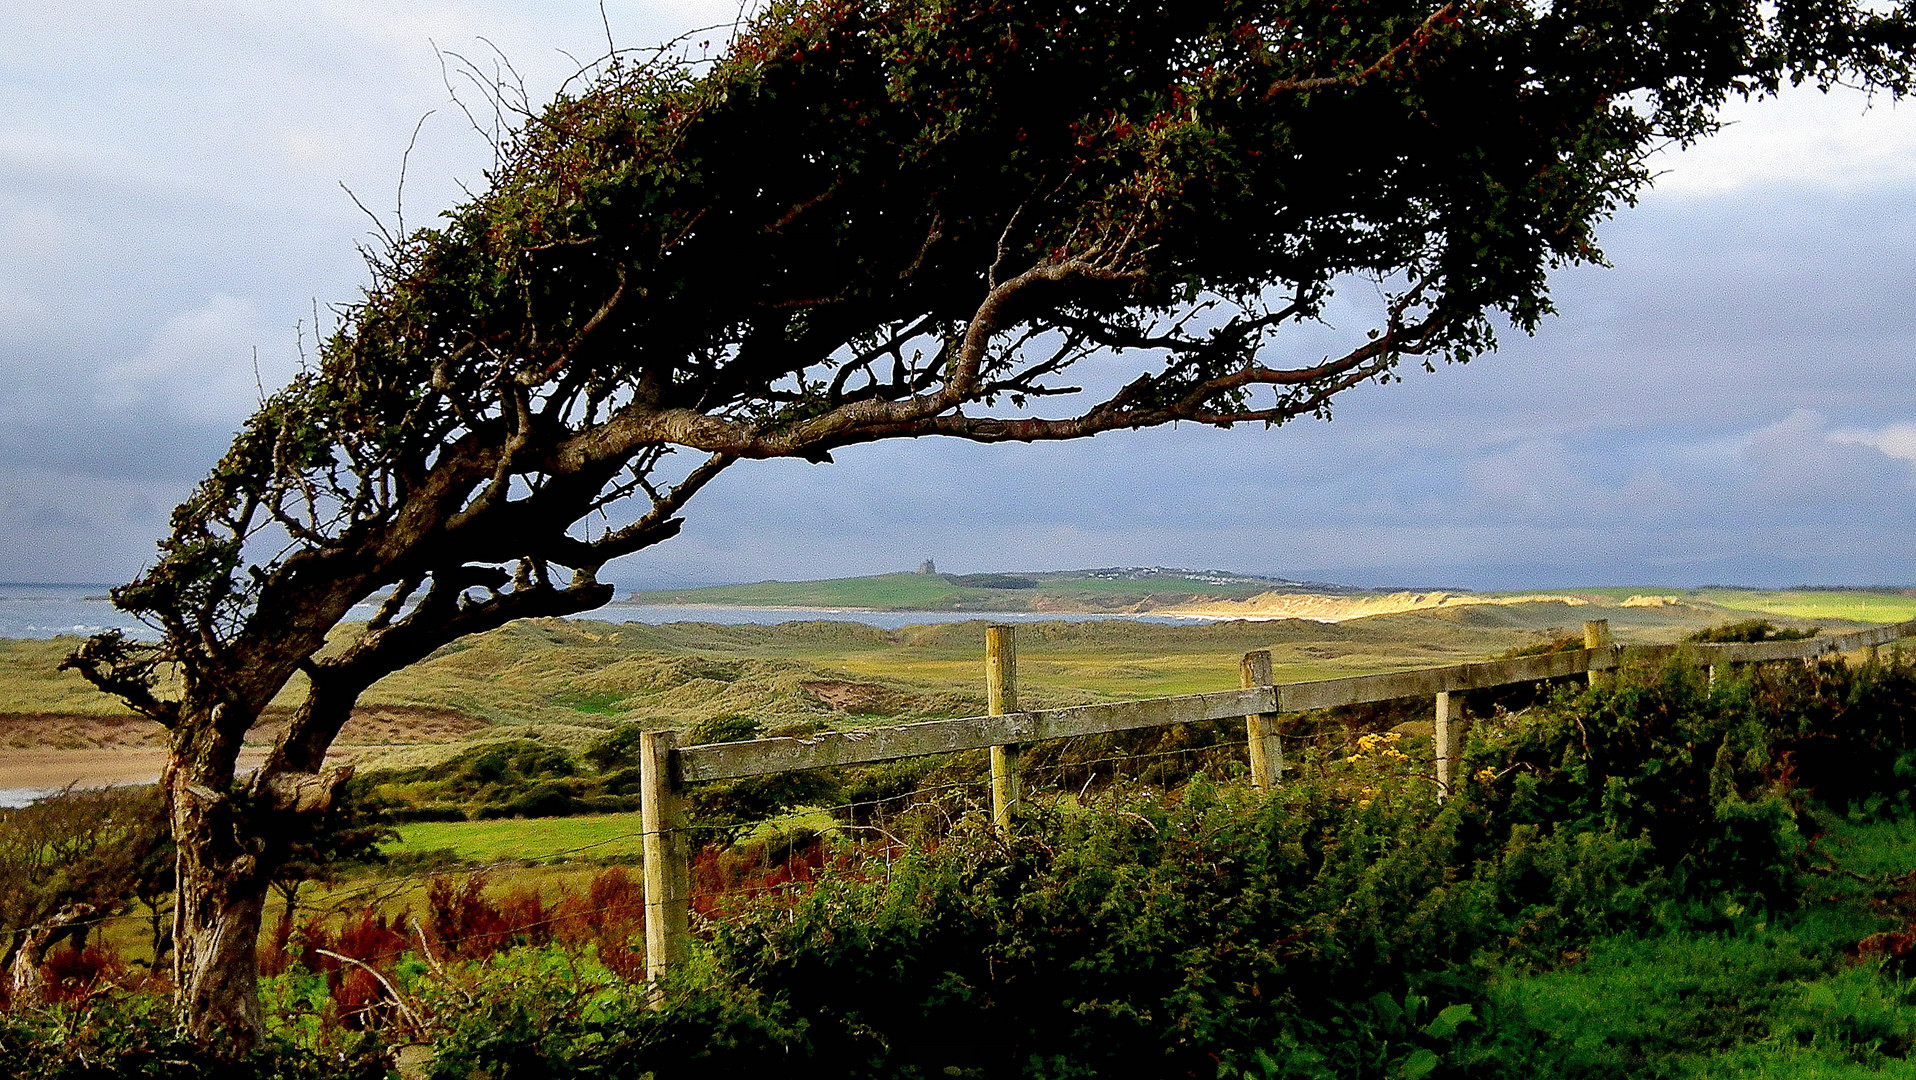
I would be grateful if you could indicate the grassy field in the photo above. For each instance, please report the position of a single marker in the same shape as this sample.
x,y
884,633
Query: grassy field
x,y
566,682
597,837
1869,607
1762,998
31,682
1848,605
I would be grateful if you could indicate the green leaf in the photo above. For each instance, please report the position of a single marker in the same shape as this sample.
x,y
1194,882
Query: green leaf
x,y
1448,1021
1387,1009
1419,1064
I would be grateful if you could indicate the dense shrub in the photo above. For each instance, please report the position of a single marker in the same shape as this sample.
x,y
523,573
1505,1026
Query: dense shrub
x,y
1749,630
127,1036
1322,931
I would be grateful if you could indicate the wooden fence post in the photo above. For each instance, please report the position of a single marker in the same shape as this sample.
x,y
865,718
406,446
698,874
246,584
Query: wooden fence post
x,y
1596,635
1001,695
667,853
1260,729
1440,741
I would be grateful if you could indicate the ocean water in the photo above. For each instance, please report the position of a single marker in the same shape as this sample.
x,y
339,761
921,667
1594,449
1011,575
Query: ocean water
x,y
48,611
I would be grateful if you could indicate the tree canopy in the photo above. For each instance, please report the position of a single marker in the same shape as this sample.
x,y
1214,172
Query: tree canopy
x,y
871,219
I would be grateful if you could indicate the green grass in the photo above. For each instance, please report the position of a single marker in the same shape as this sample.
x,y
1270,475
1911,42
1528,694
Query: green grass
x,y
31,681
594,837
1771,997
1869,607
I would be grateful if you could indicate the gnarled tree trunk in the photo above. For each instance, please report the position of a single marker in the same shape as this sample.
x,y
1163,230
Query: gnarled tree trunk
x,y
216,913
26,982
231,835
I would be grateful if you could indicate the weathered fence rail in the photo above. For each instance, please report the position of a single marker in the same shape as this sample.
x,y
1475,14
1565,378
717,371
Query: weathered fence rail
x,y
759,757
665,766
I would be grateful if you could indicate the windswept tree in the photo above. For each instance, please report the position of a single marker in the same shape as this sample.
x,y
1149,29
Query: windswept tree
x,y
876,219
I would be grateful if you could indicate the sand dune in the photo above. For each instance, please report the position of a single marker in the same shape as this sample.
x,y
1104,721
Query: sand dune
x,y
1339,608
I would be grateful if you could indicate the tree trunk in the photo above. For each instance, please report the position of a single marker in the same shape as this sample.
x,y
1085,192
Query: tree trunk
x,y
222,883
27,981
231,837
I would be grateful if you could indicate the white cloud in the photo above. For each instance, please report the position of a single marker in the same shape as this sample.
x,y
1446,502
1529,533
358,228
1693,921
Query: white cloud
x,y
200,364
1840,140
1893,440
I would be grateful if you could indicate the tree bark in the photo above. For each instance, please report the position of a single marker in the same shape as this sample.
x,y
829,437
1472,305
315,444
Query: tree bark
x,y
217,910
27,981
231,837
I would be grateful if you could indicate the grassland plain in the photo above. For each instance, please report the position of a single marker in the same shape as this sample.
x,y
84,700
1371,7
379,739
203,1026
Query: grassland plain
x,y
593,837
565,682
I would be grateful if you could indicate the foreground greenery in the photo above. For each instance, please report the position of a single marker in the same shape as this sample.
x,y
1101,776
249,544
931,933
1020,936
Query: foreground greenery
x,y
1657,879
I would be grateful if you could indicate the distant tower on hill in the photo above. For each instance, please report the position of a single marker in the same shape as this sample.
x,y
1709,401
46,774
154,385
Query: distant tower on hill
x,y
927,568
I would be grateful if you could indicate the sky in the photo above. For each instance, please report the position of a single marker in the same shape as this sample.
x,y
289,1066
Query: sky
x,y
1732,400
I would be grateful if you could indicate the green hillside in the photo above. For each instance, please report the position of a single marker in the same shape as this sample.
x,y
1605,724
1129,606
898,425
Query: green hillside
x,y
1136,590
1087,591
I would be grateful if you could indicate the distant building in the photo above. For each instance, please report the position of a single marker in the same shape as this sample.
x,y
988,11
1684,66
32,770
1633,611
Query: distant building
x,y
927,568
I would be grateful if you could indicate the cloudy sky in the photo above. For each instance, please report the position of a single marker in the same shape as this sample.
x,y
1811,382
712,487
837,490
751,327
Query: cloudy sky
x,y
1734,400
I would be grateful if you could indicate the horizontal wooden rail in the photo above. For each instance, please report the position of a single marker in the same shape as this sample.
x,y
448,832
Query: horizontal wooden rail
x,y
1363,689
761,757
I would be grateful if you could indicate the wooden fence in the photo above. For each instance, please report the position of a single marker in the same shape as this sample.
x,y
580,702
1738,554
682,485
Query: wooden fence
x,y
666,766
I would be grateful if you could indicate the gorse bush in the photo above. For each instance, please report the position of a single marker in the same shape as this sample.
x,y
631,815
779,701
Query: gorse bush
x,y
1751,630
1659,760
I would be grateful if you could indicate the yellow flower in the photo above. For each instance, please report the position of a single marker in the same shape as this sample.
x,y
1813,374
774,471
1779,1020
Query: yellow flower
x,y
1486,775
